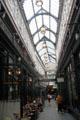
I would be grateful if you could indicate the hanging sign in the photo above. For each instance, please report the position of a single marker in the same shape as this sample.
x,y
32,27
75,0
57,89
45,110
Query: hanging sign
x,y
60,79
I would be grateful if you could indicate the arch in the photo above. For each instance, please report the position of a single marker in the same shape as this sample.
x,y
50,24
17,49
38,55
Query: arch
x,y
45,39
47,29
37,14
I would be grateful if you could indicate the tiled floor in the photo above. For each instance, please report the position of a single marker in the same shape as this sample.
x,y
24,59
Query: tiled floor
x,y
50,113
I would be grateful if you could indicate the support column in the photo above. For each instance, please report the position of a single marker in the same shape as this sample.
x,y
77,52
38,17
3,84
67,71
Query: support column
x,y
73,79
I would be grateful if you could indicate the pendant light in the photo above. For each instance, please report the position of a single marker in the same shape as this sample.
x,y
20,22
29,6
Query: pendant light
x,y
43,29
39,3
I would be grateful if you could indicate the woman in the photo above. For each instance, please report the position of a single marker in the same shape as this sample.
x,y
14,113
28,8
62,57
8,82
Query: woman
x,y
49,98
59,102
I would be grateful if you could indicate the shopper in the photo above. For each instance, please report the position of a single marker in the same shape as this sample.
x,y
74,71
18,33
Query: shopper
x,y
49,98
55,96
59,100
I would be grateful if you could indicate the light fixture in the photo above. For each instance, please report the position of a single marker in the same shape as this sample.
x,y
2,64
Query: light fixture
x,y
44,44
77,36
45,55
45,62
19,71
30,79
19,59
9,72
34,101
39,3
43,29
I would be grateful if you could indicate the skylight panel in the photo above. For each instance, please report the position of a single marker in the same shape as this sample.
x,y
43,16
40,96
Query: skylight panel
x,y
44,41
50,44
32,26
51,51
36,8
45,60
41,35
42,51
36,38
47,34
46,20
52,37
51,72
42,11
55,7
53,25
42,58
46,5
28,9
53,55
39,21
52,60
39,46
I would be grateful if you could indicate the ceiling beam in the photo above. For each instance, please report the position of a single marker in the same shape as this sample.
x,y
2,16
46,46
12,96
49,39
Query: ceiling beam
x,y
38,14
46,39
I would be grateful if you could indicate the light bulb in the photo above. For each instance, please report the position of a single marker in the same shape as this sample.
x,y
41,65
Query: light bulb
x,y
39,3
43,29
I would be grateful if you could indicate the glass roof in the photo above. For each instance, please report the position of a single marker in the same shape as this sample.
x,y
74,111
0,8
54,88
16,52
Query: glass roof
x,y
43,17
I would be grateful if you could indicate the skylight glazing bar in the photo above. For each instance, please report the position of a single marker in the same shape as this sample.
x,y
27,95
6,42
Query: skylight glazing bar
x,y
42,16
35,17
52,57
37,29
47,29
37,14
40,58
52,48
49,54
49,26
49,48
43,39
49,16
52,54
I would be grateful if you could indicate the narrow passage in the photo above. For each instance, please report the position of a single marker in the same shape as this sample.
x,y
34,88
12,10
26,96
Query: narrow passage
x,y
50,113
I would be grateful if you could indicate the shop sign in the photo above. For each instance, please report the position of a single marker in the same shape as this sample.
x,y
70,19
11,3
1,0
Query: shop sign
x,y
60,79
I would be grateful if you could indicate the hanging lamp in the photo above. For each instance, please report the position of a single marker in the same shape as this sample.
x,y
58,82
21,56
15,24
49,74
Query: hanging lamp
x,y
39,3
44,44
43,29
9,72
45,55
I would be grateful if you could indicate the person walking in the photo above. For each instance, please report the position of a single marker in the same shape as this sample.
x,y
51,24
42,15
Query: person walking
x,y
59,100
49,98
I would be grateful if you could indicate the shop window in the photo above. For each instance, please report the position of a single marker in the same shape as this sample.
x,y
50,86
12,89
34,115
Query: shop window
x,y
9,85
13,92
